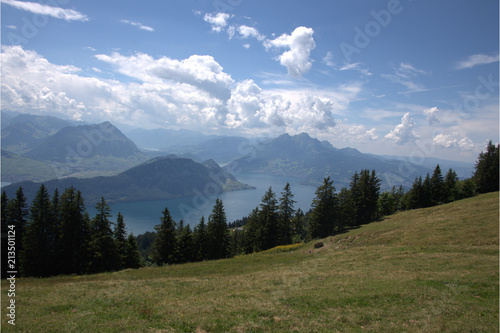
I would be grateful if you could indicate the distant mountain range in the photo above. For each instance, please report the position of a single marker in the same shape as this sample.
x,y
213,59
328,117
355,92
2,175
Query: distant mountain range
x,y
311,160
160,178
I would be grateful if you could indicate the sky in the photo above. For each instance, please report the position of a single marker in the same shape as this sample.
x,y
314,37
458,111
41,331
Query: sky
x,y
412,77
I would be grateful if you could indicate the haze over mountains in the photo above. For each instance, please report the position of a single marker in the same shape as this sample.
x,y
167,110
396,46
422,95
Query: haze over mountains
x,y
38,148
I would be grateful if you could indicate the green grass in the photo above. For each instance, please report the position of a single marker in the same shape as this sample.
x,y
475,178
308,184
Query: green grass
x,y
428,270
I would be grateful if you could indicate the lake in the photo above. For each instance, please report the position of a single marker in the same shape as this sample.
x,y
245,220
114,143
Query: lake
x,y
142,216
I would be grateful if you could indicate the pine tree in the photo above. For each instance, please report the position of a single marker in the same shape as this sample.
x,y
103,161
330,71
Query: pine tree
x,y
132,255
104,252
269,219
164,245
347,209
437,187
37,256
185,250
253,231
450,186
17,214
323,219
218,234
299,231
286,213
200,240
487,169
367,189
426,199
121,242
74,234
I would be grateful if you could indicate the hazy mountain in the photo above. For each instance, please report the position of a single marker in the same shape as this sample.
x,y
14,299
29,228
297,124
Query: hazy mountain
x,y
162,139
16,168
311,160
161,178
23,132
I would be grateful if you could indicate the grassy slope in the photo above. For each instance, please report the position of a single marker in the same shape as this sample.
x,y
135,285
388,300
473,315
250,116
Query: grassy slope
x,y
426,270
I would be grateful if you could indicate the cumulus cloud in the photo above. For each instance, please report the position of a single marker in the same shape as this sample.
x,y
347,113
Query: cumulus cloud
x,y
193,92
454,140
246,32
299,44
404,132
476,60
39,9
431,115
217,20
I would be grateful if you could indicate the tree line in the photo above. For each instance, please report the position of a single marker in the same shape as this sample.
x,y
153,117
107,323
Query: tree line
x,y
57,236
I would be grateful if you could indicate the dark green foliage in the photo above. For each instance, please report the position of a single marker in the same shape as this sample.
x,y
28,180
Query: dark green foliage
x,y
299,229
132,255
268,220
437,187
121,241
450,186
164,245
324,216
37,257
200,239
286,213
487,169
4,240
104,252
185,246
217,232
17,215
145,244
73,247
252,232
390,202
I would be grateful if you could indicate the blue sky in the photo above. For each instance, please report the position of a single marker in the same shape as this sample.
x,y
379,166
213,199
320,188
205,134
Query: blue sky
x,y
417,78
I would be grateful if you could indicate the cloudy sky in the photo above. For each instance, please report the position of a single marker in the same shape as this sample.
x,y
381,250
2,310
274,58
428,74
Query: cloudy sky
x,y
416,78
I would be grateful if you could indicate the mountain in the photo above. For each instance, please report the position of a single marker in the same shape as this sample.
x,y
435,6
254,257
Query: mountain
x,y
24,132
17,168
311,160
160,178
161,139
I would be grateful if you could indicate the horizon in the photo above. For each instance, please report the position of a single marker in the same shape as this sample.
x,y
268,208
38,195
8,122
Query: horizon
x,y
392,77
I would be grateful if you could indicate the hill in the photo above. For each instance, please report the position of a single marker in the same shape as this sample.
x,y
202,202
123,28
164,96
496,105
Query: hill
x,y
311,160
17,168
157,179
426,270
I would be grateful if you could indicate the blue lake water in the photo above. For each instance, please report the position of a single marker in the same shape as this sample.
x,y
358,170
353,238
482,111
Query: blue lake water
x,y
142,216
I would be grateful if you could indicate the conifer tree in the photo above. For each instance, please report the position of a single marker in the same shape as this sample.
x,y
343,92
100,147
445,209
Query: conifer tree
x,y
486,175
218,234
286,213
164,245
347,208
200,240
121,242
17,215
299,231
185,251
437,187
268,220
426,200
253,231
323,219
450,186
74,234
102,243
132,256
37,256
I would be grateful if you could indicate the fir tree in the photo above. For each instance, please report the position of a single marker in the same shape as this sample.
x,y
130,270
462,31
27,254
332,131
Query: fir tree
x,y
132,255
121,242
487,169
200,240
437,189
286,213
299,230
185,251
218,234
268,220
104,252
17,215
164,245
450,186
73,245
37,256
253,231
323,219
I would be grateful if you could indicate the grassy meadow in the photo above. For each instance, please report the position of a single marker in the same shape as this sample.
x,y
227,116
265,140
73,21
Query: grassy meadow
x,y
427,270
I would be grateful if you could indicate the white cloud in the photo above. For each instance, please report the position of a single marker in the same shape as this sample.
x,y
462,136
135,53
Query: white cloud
x,y
193,92
39,9
300,44
431,115
246,32
328,59
404,132
455,140
476,60
11,27
138,25
217,20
